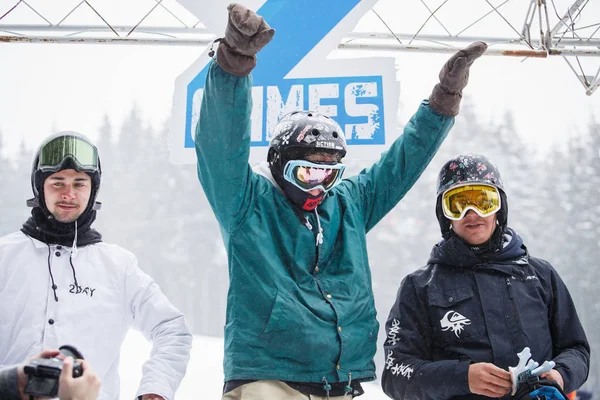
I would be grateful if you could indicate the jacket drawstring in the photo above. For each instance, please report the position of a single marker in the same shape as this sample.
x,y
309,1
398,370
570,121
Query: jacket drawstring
x,y
320,233
319,238
348,388
73,269
74,247
307,223
51,276
326,387
73,255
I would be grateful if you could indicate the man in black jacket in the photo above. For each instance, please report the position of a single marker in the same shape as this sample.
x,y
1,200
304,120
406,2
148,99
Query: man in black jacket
x,y
459,322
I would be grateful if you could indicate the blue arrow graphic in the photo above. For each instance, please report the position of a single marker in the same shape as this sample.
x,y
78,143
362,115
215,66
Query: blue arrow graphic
x,y
300,25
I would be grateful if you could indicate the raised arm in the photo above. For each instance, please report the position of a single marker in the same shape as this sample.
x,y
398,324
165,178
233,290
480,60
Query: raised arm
x,y
223,132
381,186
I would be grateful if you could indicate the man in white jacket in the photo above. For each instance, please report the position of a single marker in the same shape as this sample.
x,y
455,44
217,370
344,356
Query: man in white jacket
x,y
60,284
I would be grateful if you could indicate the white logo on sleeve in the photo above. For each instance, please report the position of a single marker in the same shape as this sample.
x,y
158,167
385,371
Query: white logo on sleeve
x,y
455,322
393,335
396,368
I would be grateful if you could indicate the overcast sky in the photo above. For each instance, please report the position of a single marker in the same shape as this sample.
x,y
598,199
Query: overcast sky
x,y
49,87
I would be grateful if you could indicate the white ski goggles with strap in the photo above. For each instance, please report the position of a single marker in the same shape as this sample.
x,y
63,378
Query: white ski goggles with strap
x,y
310,175
483,199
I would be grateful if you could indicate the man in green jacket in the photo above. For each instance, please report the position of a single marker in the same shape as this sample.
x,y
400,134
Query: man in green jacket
x,y
301,320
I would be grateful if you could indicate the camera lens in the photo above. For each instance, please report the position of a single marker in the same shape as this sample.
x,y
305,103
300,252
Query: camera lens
x,y
67,351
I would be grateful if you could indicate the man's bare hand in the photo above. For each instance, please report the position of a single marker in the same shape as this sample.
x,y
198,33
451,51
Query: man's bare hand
x,y
22,378
555,376
84,387
488,380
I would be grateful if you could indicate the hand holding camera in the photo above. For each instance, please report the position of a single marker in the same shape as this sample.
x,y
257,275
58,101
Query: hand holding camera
x,y
84,387
61,373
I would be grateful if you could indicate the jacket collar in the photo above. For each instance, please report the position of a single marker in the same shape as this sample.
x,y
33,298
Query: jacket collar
x,y
39,244
454,252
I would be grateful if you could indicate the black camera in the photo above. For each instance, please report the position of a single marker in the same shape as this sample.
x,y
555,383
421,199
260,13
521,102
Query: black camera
x,y
44,372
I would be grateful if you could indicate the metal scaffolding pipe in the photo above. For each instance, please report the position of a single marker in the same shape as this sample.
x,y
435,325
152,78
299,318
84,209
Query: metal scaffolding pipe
x,y
103,28
105,40
494,51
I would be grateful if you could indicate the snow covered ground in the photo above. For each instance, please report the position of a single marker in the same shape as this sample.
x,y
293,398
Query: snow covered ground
x,y
204,378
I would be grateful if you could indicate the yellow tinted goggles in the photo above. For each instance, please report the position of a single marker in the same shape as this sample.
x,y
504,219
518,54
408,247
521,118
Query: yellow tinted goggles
x,y
483,199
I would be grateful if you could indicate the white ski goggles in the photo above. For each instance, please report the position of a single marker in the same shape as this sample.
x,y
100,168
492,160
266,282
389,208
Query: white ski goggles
x,y
310,175
483,199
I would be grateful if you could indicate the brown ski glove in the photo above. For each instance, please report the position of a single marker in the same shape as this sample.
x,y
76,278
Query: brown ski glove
x,y
454,76
246,34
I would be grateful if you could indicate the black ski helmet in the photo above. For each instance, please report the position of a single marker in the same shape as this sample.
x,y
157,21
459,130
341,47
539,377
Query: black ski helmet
x,y
297,135
469,168
300,133
69,161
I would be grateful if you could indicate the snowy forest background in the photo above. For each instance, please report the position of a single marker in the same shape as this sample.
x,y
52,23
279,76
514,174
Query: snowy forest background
x,y
157,210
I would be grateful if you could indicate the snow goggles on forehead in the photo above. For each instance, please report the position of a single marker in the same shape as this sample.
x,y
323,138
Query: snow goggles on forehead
x,y
308,175
483,199
54,154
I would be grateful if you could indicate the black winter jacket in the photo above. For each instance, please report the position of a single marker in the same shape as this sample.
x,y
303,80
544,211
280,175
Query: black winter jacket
x,y
464,308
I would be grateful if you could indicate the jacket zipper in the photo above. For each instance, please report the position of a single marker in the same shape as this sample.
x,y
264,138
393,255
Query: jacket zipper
x,y
514,304
310,228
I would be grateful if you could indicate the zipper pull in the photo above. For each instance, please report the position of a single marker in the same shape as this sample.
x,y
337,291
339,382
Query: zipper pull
x,y
509,286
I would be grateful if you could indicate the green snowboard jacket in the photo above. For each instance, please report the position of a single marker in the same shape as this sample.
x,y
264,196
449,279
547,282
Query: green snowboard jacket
x,y
297,311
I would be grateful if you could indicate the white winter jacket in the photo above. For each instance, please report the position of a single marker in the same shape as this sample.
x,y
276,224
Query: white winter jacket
x,y
111,295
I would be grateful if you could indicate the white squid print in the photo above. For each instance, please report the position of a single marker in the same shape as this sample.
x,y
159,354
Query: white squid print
x,y
454,321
